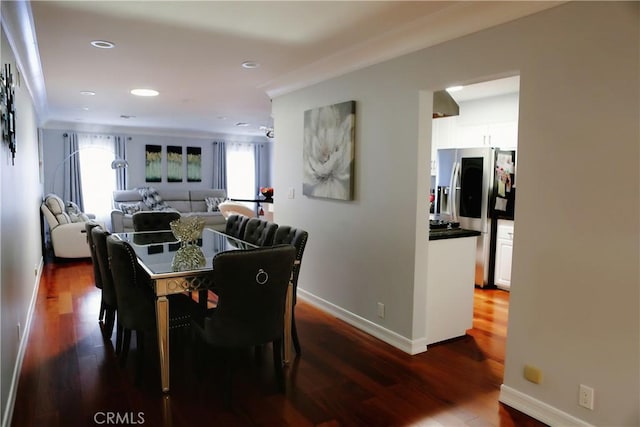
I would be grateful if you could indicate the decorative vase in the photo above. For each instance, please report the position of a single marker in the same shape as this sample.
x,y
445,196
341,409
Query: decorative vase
x,y
189,257
187,229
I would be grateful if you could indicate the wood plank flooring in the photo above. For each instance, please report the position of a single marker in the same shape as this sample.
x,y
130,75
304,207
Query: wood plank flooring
x,y
70,375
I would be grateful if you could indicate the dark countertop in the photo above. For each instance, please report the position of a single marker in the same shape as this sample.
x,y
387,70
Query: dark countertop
x,y
453,233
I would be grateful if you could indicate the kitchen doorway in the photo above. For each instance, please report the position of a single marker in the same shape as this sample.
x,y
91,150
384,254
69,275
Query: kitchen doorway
x,y
487,119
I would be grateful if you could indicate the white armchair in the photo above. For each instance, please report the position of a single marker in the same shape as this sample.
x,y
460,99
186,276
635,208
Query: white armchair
x,y
68,238
228,208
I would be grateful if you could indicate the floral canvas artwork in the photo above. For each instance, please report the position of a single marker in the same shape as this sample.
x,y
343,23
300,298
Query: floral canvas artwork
x,y
328,151
153,163
174,163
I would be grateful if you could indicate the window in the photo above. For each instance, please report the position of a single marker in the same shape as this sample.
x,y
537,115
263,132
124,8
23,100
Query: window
x,y
96,153
241,171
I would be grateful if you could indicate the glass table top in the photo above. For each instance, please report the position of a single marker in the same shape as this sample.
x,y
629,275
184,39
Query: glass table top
x,y
162,255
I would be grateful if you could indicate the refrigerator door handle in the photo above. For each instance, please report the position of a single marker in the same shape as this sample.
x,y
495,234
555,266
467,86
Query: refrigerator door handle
x,y
453,190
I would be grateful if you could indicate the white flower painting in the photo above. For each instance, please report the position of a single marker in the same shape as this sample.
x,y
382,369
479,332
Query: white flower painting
x,y
328,151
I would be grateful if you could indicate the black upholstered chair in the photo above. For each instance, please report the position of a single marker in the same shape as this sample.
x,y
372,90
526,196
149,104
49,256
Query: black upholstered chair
x,y
259,232
136,300
153,221
109,300
251,286
97,277
298,238
235,225
136,308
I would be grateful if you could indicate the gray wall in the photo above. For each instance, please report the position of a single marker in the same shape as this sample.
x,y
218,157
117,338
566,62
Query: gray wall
x,y
135,148
574,309
20,242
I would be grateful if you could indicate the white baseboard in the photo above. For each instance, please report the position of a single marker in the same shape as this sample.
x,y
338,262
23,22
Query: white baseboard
x,y
538,409
22,348
390,337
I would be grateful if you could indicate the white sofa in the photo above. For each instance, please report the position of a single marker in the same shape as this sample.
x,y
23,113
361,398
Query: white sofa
x,y
68,234
187,202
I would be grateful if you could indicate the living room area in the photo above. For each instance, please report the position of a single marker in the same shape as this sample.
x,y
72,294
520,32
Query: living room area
x,y
246,159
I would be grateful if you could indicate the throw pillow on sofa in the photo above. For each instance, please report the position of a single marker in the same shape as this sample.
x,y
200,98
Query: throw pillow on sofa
x,y
130,208
213,202
152,199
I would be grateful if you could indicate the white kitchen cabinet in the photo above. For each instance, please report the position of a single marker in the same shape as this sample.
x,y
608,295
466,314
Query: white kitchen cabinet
x,y
450,287
500,134
504,251
443,135
444,132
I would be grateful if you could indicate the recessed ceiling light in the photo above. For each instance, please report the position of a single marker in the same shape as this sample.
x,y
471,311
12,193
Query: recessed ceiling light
x,y
250,64
242,124
454,88
222,118
87,92
145,92
85,108
102,44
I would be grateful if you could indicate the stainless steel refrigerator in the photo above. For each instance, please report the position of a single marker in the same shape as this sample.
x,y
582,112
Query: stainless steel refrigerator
x,y
474,186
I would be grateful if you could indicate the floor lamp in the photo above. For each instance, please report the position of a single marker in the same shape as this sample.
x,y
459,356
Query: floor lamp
x,y
116,164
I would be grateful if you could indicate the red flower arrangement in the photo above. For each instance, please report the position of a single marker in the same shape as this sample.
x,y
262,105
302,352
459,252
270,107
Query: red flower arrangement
x,y
267,192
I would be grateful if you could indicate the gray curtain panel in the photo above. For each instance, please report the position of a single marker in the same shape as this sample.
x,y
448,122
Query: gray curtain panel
x,y
219,165
261,178
121,153
72,185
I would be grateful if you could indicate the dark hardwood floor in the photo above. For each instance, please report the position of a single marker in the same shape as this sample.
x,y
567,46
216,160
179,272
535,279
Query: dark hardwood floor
x,y
70,375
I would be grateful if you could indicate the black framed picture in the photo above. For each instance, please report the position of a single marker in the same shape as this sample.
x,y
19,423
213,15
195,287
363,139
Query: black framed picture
x,y
194,164
174,163
153,163
8,109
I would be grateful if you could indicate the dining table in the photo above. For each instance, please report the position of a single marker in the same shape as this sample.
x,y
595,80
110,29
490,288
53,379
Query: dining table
x,y
176,267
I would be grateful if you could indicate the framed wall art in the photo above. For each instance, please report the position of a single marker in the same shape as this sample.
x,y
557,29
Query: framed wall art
x,y
328,151
194,164
8,110
153,163
174,163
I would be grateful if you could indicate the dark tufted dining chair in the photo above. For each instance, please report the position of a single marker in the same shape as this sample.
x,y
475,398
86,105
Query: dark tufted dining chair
x,y
259,232
298,238
252,286
97,277
109,299
235,225
136,308
136,301
153,221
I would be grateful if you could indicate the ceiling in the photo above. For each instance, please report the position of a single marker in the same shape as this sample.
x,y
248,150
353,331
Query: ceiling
x,y
191,52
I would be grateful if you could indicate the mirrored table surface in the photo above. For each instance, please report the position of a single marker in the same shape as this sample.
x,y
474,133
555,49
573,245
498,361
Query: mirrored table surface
x,y
162,255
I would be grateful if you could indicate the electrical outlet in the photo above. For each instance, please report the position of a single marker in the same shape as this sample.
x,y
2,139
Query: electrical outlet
x,y
586,396
19,332
292,193
381,310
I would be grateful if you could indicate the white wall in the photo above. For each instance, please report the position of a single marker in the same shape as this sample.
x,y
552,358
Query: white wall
x,y
575,286
20,242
